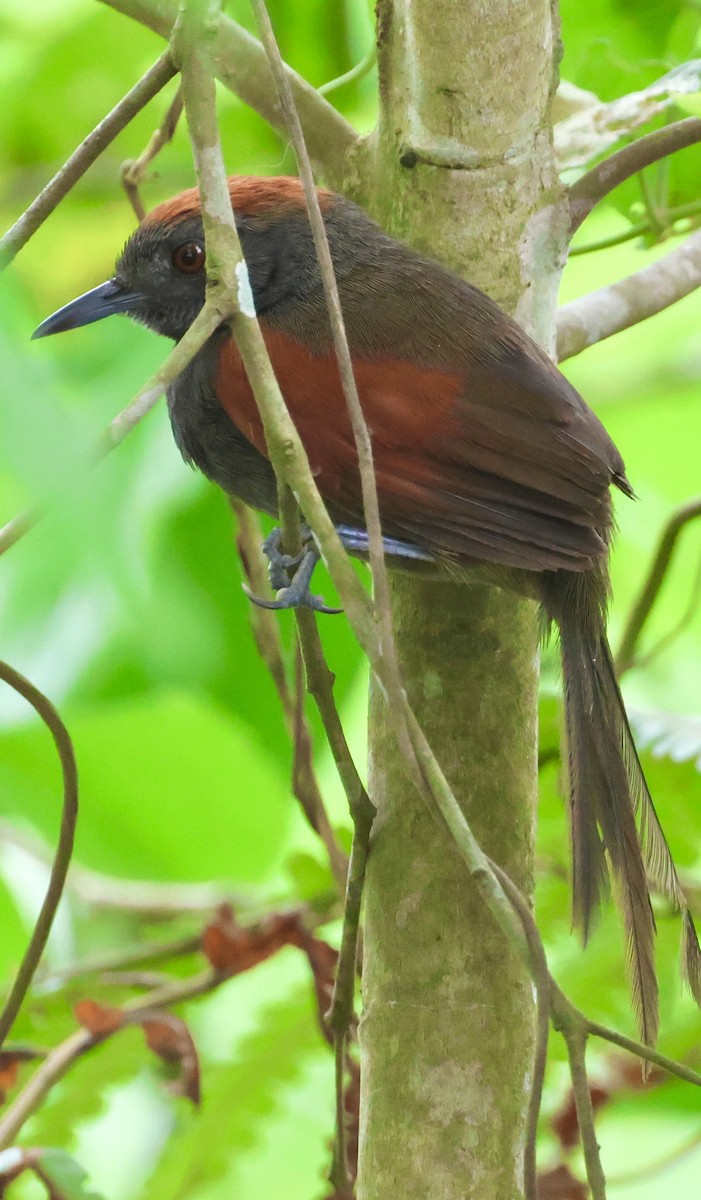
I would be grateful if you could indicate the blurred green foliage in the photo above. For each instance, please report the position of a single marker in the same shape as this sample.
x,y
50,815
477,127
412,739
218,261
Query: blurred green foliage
x,y
124,605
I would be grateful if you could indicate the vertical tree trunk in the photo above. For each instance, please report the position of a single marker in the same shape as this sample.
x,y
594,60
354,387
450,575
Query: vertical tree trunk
x,y
463,168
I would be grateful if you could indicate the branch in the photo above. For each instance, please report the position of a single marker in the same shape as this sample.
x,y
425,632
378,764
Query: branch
x,y
644,604
361,435
599,315
144,897
340,1015
110,961
540,975
59,1060
240,63
266,631
46,711
82,158
290,461
586,193
133,171
576,1042
564,1012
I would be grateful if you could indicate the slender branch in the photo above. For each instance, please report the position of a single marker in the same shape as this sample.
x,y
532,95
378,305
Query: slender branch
x,y
240,63
540,975
265,626
289,459
306,786
564,1012
576,1042
600,314
663,227
225,258
386,662
359,71
683,622
203,327
590,188
145,897
320,682
615,239
59,1060
69,815
654,1057
340,1016
133,171
120,960
656,575
82,158
16,527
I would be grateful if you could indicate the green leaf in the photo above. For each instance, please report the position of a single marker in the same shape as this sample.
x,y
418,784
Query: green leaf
x,y
613,47
240,1098
172,787
66,1175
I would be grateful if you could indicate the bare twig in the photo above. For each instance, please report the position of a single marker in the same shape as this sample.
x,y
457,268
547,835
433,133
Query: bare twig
x,y
305,784
340,1016
391,677
69,815
654,1057
120,960
59,1060
240,63
287,453
134,170
576,1041
664,226
541,980
682,622
656,575
265,626
586,193
600,314
359,71
225,259
266,631
84,156
145,897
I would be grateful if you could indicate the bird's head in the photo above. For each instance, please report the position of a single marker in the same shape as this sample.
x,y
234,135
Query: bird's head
x,y
160,276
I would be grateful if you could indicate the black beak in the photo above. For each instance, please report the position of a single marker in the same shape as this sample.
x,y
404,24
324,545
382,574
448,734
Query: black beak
x,y
102,301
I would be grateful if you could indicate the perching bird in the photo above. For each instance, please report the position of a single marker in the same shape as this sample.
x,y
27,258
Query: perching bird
x,y
484,455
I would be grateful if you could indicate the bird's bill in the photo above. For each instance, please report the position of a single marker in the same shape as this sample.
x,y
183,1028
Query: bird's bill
x,y
110,297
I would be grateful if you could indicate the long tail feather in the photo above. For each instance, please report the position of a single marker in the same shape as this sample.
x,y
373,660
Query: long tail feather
x,y
612,813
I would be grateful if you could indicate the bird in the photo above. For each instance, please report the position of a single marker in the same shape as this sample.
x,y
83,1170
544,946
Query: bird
x,y
489,467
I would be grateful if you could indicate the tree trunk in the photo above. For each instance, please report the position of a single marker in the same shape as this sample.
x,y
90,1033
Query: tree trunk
x,y
462,167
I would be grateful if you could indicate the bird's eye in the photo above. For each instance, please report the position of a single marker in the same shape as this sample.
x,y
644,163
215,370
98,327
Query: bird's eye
x,y
188,258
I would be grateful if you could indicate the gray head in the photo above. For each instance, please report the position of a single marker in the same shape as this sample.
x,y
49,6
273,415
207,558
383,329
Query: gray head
x,y
159,278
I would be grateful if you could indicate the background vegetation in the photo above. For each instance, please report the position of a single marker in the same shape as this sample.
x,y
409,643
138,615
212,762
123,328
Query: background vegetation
x,y
125,606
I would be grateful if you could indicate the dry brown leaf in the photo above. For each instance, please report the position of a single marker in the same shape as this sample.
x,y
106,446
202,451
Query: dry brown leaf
x,y
231,948
169,1037
99,1019
561,1184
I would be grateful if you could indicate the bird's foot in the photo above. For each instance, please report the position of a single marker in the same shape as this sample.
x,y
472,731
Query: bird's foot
x,y
291,574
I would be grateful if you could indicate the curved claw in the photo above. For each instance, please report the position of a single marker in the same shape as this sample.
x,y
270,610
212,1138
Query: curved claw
x,y
287,598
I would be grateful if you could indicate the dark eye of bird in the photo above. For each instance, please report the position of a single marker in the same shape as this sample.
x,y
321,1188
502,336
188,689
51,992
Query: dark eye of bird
x,y
188,258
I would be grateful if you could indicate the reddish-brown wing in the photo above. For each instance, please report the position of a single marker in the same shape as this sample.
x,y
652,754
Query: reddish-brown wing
x,y
460,471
